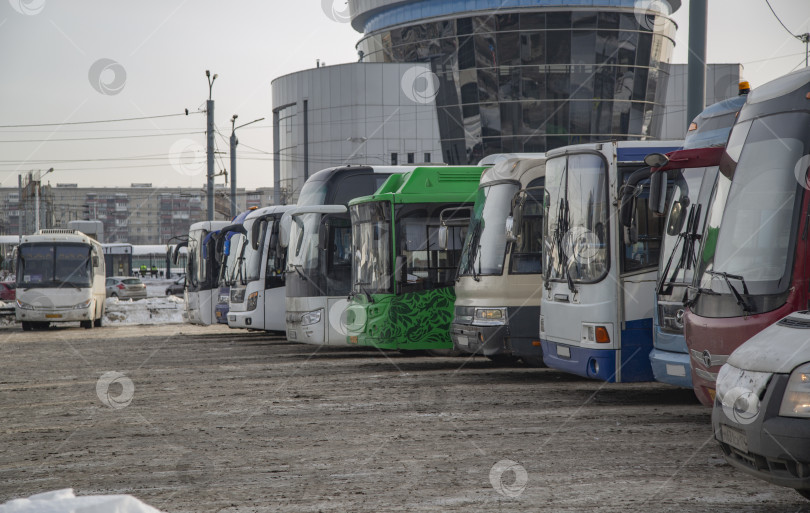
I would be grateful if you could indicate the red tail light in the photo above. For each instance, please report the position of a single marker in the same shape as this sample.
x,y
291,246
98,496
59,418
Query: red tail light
x,y
120,286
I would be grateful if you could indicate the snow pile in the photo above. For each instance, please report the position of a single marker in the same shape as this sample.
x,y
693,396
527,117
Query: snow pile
x,y
156,287
64,501
153,310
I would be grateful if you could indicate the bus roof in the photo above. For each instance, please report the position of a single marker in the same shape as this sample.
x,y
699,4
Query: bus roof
x,y
59,235
209,225
326,174
626,151
429,185
266,211
511,169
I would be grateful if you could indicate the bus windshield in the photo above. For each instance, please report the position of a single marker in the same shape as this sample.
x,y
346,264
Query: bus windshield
x,y
752,250
253,257
576,218
231,267
371,238
485,246
54,265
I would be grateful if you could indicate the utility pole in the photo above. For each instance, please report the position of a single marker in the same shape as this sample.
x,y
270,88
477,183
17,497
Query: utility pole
x,y
19,207
696,63
209,110
234,142
36,192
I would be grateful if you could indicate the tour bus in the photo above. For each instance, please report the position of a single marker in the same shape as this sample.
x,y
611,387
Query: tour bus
x,y
60,278
227,246
403,269
692,173
257,295
599,277
500,277
202,272
317,235
752,264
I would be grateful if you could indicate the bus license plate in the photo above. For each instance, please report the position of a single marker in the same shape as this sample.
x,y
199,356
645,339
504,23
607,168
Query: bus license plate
x,y
463,340
734,437
563,351
292,335
53,316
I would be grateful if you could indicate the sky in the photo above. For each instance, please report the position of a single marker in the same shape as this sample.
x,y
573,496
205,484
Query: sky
x,y
88,60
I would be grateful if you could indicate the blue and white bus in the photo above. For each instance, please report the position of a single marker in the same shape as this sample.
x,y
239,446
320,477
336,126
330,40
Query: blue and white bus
x,y
600,277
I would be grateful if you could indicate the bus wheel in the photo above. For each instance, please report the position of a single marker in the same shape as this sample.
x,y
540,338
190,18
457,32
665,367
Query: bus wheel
x,y
97,323
88,325
26,326
503,359
804,493
443,352
533,361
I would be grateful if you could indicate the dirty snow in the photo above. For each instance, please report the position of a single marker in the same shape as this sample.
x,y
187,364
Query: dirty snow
x,y
65,501
153,310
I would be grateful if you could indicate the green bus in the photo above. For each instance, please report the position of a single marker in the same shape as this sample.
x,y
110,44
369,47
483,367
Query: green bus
x,y
402,275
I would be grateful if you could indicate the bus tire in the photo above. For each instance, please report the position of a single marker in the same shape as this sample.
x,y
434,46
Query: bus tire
x,y
97,323
26,326
503,359
88,325
536,362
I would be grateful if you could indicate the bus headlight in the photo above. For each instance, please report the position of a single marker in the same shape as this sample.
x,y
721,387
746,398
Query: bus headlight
x,y
83,305
253,300
490,316
237,295
24,306
313,317
796,401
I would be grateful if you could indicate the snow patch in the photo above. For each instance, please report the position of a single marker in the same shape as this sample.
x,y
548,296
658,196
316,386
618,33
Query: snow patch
x,y
64,501
153,310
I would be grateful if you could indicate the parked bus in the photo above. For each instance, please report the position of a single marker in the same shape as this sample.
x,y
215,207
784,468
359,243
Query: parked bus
x,y
692,173
500,276
257,295
60,278
752,264
227,247
403,271
318,240
202,272
599,278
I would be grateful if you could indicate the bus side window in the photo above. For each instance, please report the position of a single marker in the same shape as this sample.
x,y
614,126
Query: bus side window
x,y
645,252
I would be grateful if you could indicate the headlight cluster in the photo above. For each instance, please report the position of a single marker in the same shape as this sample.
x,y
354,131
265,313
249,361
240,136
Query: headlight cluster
x,y
490,316
253,299
237,295
313,317
796,401
670,317
223,298
25,306
83,305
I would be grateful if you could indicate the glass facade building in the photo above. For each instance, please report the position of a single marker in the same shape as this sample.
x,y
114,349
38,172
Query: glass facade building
x,y
529,75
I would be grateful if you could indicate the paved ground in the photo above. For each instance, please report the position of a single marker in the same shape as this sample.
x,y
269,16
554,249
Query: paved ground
x,y
193,419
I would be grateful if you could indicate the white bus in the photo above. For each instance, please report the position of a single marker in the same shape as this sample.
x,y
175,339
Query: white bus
x,y
202,272
60,278
257,299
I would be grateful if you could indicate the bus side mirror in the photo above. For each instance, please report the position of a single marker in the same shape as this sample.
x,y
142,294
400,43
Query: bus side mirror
x,y
284,226
442,237
255,230
511,236
401,269
658,193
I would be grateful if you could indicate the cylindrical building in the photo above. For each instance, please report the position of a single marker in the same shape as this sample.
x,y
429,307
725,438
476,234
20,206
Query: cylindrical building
x,y
529,75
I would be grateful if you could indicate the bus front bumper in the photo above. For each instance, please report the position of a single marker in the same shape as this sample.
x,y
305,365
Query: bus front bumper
x,y
484,340
54,314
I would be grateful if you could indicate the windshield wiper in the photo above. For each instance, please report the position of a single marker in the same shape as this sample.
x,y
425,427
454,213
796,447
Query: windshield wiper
x,y
727,278
363,289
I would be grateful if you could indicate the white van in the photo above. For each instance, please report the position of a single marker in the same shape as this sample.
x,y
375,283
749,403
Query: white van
x,y
60,278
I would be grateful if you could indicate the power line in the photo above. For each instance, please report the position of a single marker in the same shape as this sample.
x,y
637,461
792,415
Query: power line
x,y
780,21
101,138
186,113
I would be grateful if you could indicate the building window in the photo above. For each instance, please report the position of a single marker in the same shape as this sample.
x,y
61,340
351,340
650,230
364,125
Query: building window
x,y
427,157
410,158
393,159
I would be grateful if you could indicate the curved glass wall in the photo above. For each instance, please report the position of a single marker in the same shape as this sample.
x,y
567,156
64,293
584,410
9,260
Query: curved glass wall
x,y
532,81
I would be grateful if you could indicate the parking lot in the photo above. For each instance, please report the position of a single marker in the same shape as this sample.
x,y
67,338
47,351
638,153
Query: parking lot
x,y
197,419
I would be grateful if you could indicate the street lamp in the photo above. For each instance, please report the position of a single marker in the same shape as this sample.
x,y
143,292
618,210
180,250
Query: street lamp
x,y
209,111
234,142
